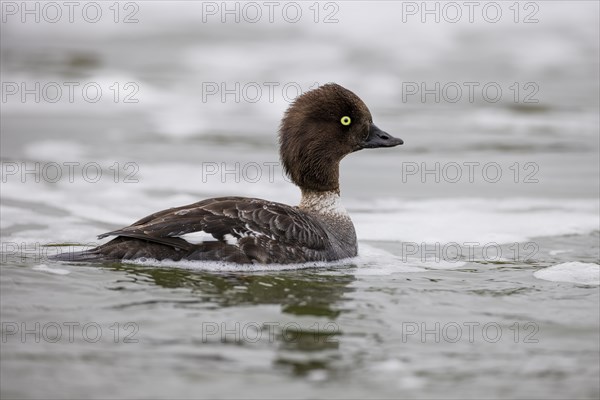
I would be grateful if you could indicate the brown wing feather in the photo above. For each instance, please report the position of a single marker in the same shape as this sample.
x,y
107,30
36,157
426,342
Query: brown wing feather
x,y
237,216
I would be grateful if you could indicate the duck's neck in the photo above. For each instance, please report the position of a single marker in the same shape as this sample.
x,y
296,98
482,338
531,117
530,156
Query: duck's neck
x,y
326,203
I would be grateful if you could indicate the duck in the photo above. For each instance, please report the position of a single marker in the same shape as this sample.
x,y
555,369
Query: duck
x,y
317,131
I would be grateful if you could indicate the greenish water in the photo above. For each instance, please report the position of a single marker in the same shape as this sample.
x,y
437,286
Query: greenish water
x,y
487,329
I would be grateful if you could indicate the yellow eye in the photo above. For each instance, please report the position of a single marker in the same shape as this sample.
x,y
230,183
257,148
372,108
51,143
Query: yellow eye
x,y
345,120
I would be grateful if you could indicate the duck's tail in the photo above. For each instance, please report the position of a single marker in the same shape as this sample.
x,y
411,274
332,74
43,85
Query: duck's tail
x,y
75,256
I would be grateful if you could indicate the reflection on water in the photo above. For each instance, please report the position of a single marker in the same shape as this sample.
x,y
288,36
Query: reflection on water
x,y
298,292
301,347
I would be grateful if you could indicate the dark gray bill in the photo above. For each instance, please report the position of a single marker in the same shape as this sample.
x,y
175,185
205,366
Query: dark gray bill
x,y
378,138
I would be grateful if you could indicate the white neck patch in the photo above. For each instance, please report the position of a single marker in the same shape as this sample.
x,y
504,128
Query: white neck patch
x,y
326,203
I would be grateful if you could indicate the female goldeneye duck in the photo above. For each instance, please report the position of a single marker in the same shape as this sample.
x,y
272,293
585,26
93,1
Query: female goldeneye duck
x,y
317,131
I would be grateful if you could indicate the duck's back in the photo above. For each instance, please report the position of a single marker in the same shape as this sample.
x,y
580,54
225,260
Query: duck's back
x,y
231,229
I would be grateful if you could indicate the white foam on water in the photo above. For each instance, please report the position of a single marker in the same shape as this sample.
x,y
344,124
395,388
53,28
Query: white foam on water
x,y
481,221
372,261
45,268
376,261
100,100
574,272
437,264
559,251
218,266
56,150
405,379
